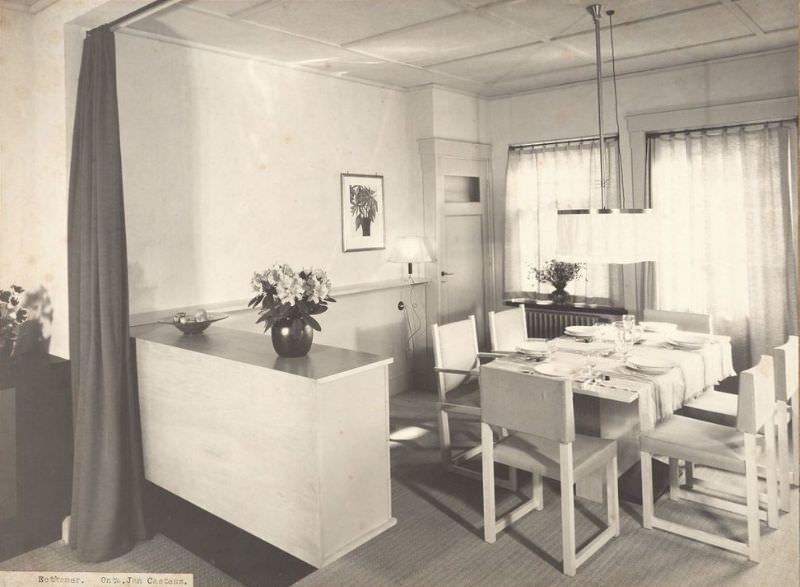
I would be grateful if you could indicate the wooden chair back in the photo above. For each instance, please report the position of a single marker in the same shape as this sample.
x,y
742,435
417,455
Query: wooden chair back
x,y
756,402
685,320
529,403
507,329
455,346
787,364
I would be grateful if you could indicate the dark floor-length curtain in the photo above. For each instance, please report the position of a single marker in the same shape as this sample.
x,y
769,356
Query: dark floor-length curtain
x,y
107,514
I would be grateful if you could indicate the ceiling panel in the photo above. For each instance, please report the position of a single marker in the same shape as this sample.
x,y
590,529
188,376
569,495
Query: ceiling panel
x,y
771,15
343,21
666,33
521,61
451,38
199,27
397,75
226,7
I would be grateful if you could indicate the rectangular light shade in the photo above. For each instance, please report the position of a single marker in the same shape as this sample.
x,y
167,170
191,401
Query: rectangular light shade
x,y
410,249
606,236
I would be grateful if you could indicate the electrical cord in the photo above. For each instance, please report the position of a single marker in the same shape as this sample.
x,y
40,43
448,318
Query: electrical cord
x,y
412,330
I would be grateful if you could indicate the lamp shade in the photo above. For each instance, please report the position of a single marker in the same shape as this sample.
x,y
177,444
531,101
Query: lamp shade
x,y
614,236
410,249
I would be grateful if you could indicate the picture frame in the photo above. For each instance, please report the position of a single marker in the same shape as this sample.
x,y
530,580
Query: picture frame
x,y
363,215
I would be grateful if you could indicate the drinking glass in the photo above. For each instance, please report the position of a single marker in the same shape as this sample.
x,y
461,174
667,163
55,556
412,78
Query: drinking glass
x,y
629,320
621,339
552,346
590,363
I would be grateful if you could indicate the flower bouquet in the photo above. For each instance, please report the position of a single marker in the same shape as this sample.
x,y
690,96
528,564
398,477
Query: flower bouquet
x,y
12,315
558,274
287,303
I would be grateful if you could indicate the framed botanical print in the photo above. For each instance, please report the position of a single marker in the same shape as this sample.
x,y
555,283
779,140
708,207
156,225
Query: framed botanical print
x,y
362,212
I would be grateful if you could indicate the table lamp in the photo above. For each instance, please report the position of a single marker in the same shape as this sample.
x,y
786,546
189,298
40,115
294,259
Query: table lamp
x,y
410,249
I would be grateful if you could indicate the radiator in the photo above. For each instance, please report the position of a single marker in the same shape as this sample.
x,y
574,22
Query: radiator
x,y
551,323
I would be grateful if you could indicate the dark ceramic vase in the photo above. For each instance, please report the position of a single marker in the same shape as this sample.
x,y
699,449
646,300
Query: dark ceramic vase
x,y
559,295
292,337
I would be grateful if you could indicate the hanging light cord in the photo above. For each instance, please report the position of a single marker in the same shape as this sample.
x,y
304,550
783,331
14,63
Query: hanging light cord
x,y
621,182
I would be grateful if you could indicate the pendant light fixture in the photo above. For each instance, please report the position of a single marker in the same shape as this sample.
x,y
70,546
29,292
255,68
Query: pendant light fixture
x,y
604,235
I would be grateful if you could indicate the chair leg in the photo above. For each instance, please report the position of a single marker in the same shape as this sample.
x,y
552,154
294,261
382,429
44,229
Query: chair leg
x,y
751,480
444,438
674,484
784,459
512,479
772,478
568,511
647,489
795,404
538,493
612,496
689,470
487,463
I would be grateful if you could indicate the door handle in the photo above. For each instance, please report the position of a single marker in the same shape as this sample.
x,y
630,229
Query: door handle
x,y
446,274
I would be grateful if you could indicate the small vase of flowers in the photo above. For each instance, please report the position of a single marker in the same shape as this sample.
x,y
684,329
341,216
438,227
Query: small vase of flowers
x,y
558,274
287,302
12,315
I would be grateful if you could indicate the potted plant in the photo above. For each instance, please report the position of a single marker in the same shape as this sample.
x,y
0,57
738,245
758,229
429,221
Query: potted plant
x,y
287,302
12,315
558,274
363,207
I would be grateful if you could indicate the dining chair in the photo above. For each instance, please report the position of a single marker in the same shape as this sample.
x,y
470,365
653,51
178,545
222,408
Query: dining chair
x,y
732,449
721,408
538,412
787,365
507,329
456,365
685,320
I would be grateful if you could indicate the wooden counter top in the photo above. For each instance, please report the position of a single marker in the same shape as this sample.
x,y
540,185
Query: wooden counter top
x,y
323,363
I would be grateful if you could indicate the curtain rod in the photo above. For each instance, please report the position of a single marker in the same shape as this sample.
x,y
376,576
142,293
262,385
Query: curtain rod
x,y
138,14
656,133
561,141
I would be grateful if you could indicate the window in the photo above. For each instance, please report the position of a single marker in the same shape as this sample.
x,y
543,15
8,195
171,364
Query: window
x,y
724,199
540,179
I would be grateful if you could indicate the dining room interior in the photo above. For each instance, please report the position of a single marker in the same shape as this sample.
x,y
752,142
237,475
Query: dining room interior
x,y
400,292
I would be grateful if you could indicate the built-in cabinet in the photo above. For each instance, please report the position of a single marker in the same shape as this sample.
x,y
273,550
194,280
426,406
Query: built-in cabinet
x,y
457,214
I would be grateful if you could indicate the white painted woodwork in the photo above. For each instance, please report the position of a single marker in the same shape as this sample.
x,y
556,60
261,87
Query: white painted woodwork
x,y
296,454
447,229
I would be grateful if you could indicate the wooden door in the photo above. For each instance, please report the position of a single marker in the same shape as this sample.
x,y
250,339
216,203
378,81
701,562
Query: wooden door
x,y
465,247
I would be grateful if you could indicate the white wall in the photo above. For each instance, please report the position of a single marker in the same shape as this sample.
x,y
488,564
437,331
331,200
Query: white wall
x,y
571,111
34,159
231,165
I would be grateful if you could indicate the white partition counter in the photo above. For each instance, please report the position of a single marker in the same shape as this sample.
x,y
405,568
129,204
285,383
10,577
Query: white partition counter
x,y
294,451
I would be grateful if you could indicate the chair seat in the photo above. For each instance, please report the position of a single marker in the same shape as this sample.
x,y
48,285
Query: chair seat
x,y
541,455
697,441
713,406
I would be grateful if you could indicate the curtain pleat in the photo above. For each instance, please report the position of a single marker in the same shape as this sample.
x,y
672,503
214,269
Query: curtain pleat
x,y
724,203
540,180
107,513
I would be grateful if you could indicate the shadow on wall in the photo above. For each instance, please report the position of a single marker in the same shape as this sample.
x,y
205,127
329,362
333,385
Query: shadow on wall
x,y
34,334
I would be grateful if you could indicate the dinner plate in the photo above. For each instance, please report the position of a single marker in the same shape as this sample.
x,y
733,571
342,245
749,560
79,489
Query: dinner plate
x,y
554,370
535,348
652,365
688,340
658,326
581,331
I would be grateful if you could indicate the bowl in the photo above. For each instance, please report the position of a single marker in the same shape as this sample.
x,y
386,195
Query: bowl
x,y
192,326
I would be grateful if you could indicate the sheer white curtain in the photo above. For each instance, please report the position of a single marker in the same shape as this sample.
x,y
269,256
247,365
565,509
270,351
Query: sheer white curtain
x,y
725,200
539,180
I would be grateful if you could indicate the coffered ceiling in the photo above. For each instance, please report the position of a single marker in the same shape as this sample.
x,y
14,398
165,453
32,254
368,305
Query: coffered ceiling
x,y
490,47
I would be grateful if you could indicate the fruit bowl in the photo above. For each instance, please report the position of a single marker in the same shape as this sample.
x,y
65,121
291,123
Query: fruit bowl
x,y
193,324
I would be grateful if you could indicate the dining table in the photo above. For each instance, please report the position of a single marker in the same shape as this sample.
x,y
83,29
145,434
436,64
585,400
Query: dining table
x,y
615,400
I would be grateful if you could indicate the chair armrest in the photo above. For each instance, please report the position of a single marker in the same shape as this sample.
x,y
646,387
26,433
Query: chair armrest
x,y
457,371
494,354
